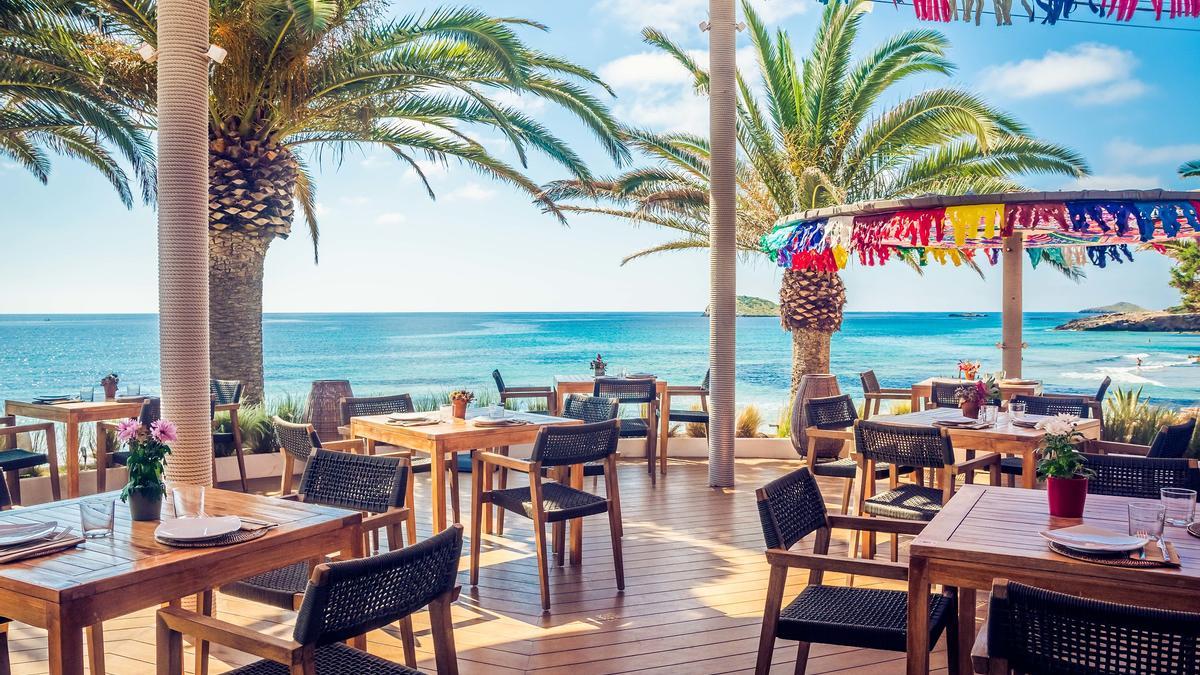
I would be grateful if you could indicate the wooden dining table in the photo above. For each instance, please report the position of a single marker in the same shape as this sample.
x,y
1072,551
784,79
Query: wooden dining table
x,y
1004,437
108,577
923,390
443,441
71,414
985,533
565,385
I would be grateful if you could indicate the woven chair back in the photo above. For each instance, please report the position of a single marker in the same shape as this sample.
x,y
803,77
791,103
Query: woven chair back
x,y
590,408
298,440
902,445
870,383
831,412
361,595
499,381
363,406
1139,476
1172,440
1103,390
790,508
626,390
225,391
1053,405
576,444
944,394
359,482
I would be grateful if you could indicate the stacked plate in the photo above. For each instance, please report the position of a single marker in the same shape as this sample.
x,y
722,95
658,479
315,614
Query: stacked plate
x,y
189,530
1092,539
413,419
51,399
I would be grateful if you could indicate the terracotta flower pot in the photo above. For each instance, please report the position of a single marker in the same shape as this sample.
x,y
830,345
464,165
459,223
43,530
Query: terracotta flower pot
x,y
1066,496
459,409
145,507
110,390
969,409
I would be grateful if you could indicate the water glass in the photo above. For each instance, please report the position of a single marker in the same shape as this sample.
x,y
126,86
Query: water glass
x,y
188,502
1146,520
132,390
446,413
1179,504
87,393
1016,409
990,414
96,517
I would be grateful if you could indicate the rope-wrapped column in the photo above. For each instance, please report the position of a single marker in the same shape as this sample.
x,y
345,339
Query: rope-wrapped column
x,y
722,243
183,234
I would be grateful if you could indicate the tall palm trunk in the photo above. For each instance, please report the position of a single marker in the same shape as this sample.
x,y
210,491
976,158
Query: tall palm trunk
x,y
811,305
251,188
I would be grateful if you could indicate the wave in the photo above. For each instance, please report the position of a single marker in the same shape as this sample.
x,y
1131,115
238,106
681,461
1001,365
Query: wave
x,y
488,328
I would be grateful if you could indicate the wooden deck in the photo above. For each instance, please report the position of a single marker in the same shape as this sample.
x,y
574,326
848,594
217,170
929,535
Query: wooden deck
x,y
695,578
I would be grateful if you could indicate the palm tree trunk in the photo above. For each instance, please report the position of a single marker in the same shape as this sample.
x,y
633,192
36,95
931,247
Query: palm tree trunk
x,y
235,287
811,305
810,354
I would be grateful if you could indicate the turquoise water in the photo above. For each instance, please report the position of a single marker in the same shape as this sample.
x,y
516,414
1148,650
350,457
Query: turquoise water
x,y
381,353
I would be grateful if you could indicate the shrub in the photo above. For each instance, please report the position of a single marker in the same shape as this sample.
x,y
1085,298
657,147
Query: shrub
x,y
696,429
1130,418
748,422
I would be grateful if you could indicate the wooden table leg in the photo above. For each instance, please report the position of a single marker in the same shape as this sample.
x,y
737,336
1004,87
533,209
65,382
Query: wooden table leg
x,y
1028,469
914,401
664,434
486,470
65,647
576,544
966,628
72,460
918,616
437,483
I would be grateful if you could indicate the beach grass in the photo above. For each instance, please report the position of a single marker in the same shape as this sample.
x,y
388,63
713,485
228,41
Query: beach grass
x,y
1131,417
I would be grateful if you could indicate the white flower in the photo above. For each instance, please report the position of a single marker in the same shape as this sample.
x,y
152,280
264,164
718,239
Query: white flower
x,y
1059,425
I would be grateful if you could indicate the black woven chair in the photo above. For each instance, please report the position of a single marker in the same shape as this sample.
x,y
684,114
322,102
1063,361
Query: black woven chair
x,y
552,502
639,392
687,391
343,600
226,396
1011,467
297,442
1095,403
833,417
510,393
944,394
874,395
14,460
363,406
1171,441
1124,476
791,508
1032,630
920,448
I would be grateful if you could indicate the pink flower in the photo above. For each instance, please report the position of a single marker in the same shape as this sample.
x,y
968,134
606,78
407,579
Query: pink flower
x,y
163,431
128,430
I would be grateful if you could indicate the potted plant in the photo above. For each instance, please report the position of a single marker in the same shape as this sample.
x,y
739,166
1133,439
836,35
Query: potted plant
x,y
1063,466
598,366
459,400
972,397
968,369
110,383
148,449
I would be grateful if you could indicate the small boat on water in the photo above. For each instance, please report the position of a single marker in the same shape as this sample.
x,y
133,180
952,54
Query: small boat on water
x,y
967,315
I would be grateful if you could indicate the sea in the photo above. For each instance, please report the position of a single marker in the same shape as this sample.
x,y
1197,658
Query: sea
x,y
436,352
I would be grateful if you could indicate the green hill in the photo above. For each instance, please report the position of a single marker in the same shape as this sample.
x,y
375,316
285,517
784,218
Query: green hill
x,y
751,306
1115,308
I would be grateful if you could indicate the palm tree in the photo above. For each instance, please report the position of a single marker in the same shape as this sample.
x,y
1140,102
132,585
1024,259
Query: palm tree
x,y
53,100
1190,169
815,136
306,80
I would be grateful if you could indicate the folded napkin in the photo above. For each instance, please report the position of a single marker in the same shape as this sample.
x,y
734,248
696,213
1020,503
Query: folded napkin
x,y
62,541
962,424
254,524
1152,553
506,422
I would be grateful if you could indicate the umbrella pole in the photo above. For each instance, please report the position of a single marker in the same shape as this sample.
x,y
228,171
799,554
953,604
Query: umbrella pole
x,y
722,240
1012,343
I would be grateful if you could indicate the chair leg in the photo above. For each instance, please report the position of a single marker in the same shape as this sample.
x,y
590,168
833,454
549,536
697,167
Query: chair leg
x,y
454,500
846,495
14,485
101,459
204,606
410,500
614,533
236,428
539,541
477,507
503,485
241,460
770,624
441,629
558,540
5,665
801,657
409,641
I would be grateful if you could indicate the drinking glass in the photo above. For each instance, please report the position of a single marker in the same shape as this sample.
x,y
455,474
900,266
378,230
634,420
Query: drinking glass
x,y
1146,520
87,393
96,517
188,502
132,390
1179,504
990,414
1017,409
446,413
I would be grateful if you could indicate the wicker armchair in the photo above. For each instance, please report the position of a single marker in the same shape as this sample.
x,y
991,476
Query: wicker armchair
x,y
1170,442
509,393
1032,630
1095,403
640,392
14,460
297,442
944,394
552,502
874,395
1011,467
690,416
226,396
1125,476
791,508
362,406
833,417
342,601
920,448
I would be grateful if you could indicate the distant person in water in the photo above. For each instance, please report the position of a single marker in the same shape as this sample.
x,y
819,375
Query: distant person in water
x,y
1139,363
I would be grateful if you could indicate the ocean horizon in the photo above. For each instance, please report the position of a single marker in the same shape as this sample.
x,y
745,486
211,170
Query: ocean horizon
x,y
424,352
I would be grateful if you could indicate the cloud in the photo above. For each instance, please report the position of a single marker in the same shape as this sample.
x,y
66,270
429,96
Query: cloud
x,y
1115,181
1099,73
391,218
679,15
321,210
472,192
1131,152
354,200
530,105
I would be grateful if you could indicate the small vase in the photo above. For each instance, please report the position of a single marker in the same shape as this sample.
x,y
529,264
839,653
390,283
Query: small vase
x,y
599,371
459,409
143,507
1066,496
969,409
110,391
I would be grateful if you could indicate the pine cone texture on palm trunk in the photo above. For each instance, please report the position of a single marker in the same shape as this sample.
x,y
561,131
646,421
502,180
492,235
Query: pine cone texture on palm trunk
x,y
811,300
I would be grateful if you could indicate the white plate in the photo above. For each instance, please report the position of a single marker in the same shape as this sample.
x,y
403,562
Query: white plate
x,y
11,535
197,529
1091,538
411,417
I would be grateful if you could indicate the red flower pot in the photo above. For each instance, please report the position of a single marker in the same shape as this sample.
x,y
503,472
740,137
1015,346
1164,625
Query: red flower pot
x,y
459,408
1066,496
969,409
